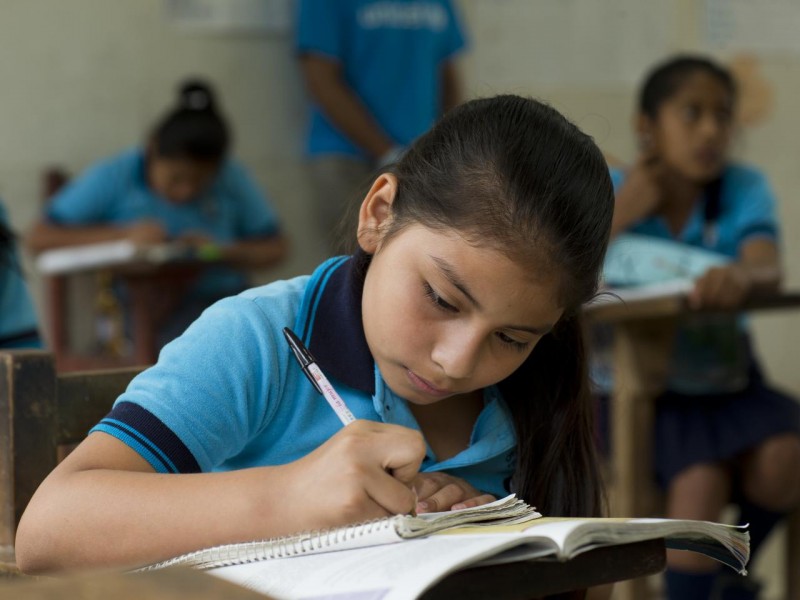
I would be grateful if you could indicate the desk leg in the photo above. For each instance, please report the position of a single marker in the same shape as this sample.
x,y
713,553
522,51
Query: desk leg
x,y
143,295
641,358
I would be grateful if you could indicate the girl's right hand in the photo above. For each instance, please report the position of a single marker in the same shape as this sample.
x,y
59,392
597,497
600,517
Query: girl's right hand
x,y
363,472
646,184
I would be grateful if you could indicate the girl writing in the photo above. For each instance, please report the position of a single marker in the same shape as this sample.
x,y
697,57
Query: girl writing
x,y
450,334
726,437
181,186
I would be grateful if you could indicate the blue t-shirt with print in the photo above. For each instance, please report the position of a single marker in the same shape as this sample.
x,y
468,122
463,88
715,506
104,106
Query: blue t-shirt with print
x,y
115,192
391,53
228,394
18,322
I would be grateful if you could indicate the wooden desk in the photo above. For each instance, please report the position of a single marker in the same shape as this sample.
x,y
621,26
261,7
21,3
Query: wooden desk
x,y
515,581
154,289
643,335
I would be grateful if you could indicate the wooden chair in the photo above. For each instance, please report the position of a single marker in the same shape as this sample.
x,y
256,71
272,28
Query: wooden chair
x,y
43,413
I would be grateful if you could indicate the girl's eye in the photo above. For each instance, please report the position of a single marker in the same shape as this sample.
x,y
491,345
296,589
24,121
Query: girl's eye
x,y
512,343
437,300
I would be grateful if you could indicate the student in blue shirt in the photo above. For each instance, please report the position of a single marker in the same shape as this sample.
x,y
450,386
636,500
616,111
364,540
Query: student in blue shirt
x,y
181,186
379,73
722,434
18,323
451,334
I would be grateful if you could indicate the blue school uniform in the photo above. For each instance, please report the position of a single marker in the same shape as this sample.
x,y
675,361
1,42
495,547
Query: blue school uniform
x,y
391,54
115,191
228,394
18,324
717,404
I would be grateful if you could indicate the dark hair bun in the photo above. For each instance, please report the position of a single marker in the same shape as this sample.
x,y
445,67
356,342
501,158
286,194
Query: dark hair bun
x,y
196,94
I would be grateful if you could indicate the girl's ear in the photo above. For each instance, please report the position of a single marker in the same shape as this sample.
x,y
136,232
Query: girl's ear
x,y
376,212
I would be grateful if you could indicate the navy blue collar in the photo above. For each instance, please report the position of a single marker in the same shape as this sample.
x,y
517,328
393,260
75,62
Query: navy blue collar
x,y
333,331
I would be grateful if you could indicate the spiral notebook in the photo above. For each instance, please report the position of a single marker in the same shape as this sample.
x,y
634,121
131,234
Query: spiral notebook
x,y
506,511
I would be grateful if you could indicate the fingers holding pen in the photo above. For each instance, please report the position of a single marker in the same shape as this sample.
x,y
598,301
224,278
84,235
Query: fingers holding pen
x,y
364,471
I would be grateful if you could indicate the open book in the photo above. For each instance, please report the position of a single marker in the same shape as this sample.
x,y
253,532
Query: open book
x,y
399,557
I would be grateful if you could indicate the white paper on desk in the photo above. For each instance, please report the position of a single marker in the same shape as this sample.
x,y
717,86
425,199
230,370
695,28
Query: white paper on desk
x,y
390,572
636,260
106,254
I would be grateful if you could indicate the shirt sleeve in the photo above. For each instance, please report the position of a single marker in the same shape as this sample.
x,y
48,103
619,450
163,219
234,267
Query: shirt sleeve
x,y
320,27
88,198
255,216
755,209
212,390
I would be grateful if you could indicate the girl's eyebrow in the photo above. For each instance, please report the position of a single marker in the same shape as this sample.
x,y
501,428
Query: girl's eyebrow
x,y
447,270
450,274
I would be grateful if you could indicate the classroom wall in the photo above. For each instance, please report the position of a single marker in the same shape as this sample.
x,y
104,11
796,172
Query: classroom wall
x,y
85,78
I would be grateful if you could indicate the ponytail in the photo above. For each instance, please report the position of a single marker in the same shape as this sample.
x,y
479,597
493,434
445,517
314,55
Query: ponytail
x,y
194,129
550,403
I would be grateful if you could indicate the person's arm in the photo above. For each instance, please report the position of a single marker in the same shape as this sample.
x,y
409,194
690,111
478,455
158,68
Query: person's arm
x,y
256,253
105,506
757,272
45,235
326,86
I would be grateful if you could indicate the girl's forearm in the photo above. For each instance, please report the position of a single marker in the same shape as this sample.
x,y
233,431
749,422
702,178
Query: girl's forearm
x,y
105,518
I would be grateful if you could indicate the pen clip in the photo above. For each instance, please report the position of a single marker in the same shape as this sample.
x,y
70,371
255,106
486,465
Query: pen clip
x,y
303,356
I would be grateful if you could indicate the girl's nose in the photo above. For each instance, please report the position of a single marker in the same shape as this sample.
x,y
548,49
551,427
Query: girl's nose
x,y
457,352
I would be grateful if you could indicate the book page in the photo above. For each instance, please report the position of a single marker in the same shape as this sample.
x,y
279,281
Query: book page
x,y
388,572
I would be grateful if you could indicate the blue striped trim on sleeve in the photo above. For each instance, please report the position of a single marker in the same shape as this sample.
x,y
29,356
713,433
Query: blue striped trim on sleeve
x,y
146,434
759,229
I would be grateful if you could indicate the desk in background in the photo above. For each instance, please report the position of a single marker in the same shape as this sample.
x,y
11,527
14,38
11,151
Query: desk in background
x,y
643,334
155,278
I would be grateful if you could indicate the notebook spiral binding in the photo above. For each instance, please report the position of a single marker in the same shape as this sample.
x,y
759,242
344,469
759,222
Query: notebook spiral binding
x,y
283,547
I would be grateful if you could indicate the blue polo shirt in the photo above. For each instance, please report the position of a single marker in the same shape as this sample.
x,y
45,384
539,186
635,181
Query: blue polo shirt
x,y
18,323
391,54
115,191
711,353
746,211
228,394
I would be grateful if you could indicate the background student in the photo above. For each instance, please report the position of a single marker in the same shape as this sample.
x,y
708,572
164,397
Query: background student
x,y
18,323
181,185
379,74
722,434
451,335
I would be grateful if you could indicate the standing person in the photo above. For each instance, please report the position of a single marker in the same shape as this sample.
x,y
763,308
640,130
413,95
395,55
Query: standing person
x,y
722,433
451,334
379,73
181,185
18,323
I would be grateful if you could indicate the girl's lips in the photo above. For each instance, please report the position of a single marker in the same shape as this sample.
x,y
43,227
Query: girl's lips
x,y
425,386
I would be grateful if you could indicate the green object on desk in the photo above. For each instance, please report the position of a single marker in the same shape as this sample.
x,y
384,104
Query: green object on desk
x,y
209,252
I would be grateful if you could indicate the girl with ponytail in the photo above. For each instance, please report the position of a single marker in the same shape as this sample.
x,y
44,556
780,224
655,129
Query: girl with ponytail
x,y
180,185
451,334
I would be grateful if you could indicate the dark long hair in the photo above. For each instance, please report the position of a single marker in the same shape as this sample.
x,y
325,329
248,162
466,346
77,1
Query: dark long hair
x,y
513,174
666,78
194,129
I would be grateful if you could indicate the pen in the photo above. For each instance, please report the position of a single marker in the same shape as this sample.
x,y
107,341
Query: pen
x,y
317,378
